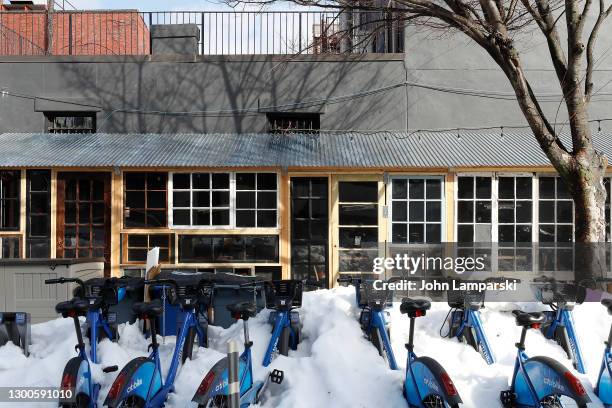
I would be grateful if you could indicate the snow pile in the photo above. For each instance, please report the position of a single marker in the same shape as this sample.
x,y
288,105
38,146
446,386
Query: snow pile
x,y
333,366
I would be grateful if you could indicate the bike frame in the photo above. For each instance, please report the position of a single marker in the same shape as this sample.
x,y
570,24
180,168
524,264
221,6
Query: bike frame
x,y
96,322
604,380
159,398
562,317
282,320
519,366
470,319
378,322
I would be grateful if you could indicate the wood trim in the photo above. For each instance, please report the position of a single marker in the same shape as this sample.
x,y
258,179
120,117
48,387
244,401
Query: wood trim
x,y
116,221
60,216
53,240
23,196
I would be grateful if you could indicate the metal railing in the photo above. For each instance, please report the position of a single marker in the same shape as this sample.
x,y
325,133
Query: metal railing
x,y
128,32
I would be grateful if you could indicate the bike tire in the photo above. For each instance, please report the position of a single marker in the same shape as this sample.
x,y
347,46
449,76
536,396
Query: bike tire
x,y
188,345
283,342
553,401
219,401
434,401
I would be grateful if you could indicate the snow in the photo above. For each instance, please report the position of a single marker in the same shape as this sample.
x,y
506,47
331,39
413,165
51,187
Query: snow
x,y
334,365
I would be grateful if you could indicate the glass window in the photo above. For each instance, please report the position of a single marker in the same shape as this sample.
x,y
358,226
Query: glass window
x,y
144,201
201,199
38,232
256,200
10,247
293,122
228,249
9,200
71,122
556,210
416,210
474,209
136,247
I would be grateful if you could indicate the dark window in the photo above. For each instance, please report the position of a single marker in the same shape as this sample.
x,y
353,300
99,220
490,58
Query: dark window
x,y
474,209
201,199
556,209
10,247
71,122
293,122
144,200
136,246
228,249
256,200
416,210
9,200
38,234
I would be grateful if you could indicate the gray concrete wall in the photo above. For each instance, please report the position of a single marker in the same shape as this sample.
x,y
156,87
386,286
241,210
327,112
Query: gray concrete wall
x,y
166,83
454,61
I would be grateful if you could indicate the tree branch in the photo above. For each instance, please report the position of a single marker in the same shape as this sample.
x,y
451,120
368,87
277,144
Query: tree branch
x,y
588,84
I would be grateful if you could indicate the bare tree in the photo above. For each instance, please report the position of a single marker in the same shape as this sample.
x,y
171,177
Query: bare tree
x,y
493,25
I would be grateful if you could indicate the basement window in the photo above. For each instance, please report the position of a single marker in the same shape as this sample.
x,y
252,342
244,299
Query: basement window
x,y
71,122
293,122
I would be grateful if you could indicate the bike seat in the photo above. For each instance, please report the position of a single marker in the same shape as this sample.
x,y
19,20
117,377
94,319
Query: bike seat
x,y
608,304
414,307
243,309
528,319
71,308
153,308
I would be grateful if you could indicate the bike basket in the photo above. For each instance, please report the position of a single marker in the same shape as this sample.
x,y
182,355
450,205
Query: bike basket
x,y
375,297
284,289
458,298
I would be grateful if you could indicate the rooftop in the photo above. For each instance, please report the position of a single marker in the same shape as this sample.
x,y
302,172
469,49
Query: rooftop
x,y
379,150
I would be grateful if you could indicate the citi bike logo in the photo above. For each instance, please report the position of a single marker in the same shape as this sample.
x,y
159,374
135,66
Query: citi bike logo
x,y
222,385
431,383
554,383
485,354
137,383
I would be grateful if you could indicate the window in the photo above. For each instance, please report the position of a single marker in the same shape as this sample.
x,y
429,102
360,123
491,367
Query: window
x,y
136,246
416,210
474,209
256,200
201,199
556,211
293,122
145,198
71,122
514,209
10,247
224,200
358,225
38,233
228,249
9,200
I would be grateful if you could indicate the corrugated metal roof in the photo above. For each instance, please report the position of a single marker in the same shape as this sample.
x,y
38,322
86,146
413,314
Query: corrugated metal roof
x,y
348,150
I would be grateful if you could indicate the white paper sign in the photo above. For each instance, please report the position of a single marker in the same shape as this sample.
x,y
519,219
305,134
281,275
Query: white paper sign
x,y
152,258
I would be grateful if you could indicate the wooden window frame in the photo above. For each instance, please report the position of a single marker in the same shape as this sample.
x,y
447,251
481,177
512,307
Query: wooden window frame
x,y
146,208
125,247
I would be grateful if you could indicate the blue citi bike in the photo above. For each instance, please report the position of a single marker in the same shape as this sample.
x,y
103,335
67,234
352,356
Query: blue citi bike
x,y
213,391
464,319
427,384
604,382
140,383
92,300
373,317
559,321
540,382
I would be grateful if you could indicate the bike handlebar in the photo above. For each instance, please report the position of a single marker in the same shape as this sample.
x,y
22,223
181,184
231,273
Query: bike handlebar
x,y
63,280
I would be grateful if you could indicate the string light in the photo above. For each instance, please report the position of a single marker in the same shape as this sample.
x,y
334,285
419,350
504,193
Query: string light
x,y
599,126
458,135
502,131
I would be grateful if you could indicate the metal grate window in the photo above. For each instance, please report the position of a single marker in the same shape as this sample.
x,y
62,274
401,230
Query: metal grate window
x,y
283,122
71,122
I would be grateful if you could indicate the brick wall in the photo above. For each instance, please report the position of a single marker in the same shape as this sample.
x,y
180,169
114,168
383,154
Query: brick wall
x,y
74,33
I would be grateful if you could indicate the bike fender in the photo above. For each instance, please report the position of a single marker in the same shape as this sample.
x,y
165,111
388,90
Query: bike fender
x,y
429,378
138,378
216,381
78,369
549,377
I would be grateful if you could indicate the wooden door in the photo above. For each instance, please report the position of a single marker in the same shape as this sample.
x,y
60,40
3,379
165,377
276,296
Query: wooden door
x,y
84,216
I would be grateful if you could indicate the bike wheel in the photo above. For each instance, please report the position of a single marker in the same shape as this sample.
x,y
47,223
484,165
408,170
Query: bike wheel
x,y
376,340
554,401
132,402
283,342
434,401
219,401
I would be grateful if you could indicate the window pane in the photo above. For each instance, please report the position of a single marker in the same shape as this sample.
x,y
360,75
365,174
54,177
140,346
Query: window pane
x,y
266,200
220,198
523,187
201,217
157,181
547,187
562,190
181,181
400,233
483,187
434,189
220,217
564,211
482,233
199,199
181,217
523,211
220,180
137,241
433,233
416,233
416,188
506,233
546,233
135,199
400,189
434,211
266,181
358,237
181,198
505,212
564,233
245,181
465,187
399,211
245,218
465,233
156,218
523,233
465,211
200,180
266,219
547,211
506,187
84,190
358,191
416,211
134,181
483,211
156,199
245,199
358,214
